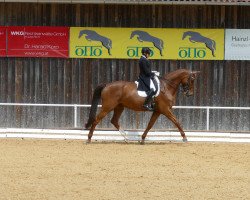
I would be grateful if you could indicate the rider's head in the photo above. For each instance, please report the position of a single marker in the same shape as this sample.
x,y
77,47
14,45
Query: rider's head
x,y
146,51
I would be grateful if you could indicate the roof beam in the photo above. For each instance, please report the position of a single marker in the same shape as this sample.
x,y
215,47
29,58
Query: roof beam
x,y
140,2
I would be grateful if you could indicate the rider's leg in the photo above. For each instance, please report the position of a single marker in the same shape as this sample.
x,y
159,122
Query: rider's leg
x,y
148,100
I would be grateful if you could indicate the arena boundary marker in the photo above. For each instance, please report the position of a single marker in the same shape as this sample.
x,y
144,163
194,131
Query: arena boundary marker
x,y
112,135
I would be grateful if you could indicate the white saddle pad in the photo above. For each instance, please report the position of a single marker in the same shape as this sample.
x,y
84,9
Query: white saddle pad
x,y
143,93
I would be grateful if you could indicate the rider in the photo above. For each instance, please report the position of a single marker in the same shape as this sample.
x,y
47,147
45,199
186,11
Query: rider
x,y
145,75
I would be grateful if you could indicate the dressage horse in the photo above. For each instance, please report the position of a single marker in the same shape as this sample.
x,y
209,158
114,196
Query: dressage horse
x,y
120,94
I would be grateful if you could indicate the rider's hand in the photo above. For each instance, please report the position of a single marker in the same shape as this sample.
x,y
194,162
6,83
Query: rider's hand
x,y
152,75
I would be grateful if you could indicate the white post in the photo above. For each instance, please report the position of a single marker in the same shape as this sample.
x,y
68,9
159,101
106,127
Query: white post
x,y
75,115
207,118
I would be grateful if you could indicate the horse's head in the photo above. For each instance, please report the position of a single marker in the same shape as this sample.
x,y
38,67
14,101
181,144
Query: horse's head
x,y
184,35
82,32
133,34
188,83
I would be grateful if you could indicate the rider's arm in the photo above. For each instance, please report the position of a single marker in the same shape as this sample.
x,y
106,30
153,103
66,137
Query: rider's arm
x,y
147,68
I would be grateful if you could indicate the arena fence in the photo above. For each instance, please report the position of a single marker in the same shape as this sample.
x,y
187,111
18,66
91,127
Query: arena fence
x,y
134,135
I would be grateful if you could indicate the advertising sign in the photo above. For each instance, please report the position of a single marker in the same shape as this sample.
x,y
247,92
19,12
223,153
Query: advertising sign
x,y
196,44
38,41
237,44
185,44
2,41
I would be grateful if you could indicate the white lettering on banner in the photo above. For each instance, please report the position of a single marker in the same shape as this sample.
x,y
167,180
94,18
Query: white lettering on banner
x,y
36,53
237,44
53,34
240,45
17,32
41,47
36,46
20,33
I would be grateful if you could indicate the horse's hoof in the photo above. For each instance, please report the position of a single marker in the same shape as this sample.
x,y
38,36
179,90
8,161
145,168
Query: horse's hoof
x,y
184,140
88,141
142,142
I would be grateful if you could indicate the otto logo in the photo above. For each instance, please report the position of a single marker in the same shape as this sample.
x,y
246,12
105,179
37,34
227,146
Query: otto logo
x,y
91,35
133,51
189,52
143,36
195,37
88,50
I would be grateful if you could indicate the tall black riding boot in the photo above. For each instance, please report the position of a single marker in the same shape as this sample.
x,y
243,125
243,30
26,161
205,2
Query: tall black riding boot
x,y
147,104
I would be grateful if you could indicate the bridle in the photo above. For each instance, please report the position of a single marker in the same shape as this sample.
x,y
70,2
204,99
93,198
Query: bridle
x,y
185,87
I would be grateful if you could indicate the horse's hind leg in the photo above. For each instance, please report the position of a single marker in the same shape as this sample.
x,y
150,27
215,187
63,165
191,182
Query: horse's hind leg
x,y
99,117
213,53
116,116
109,51
115,120
210,46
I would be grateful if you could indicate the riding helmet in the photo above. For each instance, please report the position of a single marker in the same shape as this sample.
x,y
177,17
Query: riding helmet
x,y
146,50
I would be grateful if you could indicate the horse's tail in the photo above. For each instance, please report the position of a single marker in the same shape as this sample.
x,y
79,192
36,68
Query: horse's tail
x,y
94,104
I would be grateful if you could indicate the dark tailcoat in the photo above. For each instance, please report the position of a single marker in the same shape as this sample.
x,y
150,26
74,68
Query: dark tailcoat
x,y
145,74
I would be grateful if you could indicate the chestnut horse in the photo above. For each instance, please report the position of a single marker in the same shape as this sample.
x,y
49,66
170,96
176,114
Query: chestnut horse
x,y
120,94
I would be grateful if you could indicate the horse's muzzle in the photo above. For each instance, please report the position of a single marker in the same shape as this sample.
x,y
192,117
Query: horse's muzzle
x,y
188,93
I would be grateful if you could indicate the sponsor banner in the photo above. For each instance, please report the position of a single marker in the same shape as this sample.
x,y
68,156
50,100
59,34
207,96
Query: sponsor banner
x,y
237,44
184,44
38,41
197,44
114,42
3,41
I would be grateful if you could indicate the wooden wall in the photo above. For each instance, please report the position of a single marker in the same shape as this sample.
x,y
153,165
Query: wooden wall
x,y
71,81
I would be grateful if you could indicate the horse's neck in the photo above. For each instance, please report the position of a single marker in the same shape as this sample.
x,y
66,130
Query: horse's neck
x,y
174,79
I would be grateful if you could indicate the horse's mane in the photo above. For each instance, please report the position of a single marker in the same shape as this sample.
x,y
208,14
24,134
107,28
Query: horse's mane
x,y
174,74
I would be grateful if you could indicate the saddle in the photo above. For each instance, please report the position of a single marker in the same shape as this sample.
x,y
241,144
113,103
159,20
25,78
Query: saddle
x,y
154,84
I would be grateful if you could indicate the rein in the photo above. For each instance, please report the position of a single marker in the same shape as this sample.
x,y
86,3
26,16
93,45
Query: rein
x,y
175,86
172,84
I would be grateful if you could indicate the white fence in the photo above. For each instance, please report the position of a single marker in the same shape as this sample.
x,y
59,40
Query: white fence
x,y
132,135
76,106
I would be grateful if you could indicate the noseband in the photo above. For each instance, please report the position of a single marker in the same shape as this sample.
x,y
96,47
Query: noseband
x,y
185,87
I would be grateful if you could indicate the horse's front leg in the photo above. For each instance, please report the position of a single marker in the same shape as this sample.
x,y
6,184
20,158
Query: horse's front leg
x,y
173,119
153,118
